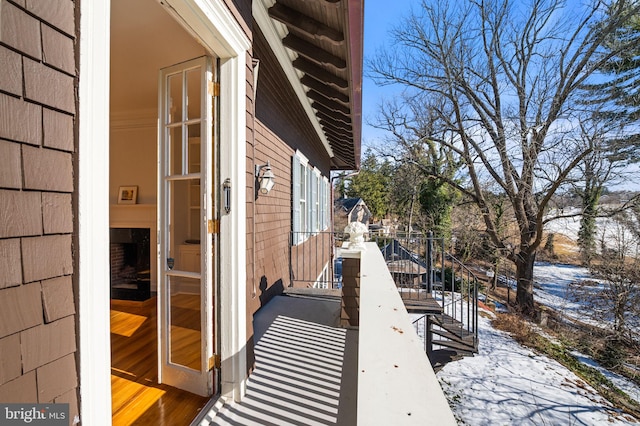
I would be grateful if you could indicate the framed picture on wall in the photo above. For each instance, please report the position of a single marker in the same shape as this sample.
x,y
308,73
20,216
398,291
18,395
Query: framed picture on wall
x,y
128,195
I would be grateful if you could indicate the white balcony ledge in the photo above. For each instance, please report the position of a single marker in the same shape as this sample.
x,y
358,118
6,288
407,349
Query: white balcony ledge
x,y
310,371
396,384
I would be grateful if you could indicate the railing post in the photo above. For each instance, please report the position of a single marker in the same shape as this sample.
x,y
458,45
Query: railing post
x,y
350,313
429,259
428,336
443,270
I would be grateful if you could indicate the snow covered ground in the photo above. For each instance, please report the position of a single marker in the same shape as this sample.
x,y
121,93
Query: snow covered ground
x,y
608,230
506,384
552,289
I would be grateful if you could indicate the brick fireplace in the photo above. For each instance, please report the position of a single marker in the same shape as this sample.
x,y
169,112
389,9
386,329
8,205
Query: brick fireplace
x,y
130,263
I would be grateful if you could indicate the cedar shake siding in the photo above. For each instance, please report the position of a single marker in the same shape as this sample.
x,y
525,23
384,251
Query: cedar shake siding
x,y
38,319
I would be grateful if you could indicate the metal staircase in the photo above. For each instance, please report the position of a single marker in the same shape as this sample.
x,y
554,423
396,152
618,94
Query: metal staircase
x,y
439,290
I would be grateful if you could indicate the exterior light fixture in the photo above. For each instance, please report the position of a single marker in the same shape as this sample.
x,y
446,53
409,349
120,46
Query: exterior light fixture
x,y
267,179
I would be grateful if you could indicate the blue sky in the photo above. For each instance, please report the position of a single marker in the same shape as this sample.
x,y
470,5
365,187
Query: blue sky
x,y
380,16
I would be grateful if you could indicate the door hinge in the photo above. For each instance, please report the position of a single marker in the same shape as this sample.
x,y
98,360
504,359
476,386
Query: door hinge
x,y
214,88
214,226
215,362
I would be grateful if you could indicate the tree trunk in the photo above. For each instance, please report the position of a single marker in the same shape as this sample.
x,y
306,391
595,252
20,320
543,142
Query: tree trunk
x,y
524,275
496,267
587,232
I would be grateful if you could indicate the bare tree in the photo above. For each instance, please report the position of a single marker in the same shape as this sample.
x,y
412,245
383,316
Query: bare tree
x,y
615,300
503,77
602,166
414,189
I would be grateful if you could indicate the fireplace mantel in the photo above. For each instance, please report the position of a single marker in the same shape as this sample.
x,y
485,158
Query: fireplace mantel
x,y
133,216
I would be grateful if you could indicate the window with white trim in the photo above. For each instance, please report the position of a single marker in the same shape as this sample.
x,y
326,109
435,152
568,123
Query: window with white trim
x,y
309,199
304,197
314,211
323,207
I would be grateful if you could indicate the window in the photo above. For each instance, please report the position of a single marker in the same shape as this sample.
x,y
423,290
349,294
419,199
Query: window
x,y
314,211
309,199
325,203
304,195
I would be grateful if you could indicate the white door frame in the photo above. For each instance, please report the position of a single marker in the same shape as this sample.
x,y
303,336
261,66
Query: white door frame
x,y
215,27
93,273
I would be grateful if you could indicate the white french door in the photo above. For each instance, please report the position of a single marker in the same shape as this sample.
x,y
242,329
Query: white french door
x,y
186,204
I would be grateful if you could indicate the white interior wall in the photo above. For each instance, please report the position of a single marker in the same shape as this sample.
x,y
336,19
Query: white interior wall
x,y
133,159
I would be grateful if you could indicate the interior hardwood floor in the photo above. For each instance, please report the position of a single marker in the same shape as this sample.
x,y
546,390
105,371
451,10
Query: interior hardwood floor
x,y
137,398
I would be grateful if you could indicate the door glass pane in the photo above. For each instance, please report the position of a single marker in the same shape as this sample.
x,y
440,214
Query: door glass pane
x,y
193,130
175,98
194,214
184,322
185,220
175,146
194,89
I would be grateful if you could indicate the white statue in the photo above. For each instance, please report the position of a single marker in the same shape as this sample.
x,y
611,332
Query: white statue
x,y
356,231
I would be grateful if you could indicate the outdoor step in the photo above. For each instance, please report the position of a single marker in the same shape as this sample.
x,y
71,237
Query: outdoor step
x,y
462,336
456,329
425,304
445,321
426,308
460,347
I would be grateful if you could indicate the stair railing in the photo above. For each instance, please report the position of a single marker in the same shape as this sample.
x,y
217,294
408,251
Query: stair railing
x,y
420,263
462,303
421,325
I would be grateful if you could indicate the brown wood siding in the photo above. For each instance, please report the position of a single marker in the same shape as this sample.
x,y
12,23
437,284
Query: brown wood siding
x,y
310,258
250,206
38,318
241,11
272,223
278,107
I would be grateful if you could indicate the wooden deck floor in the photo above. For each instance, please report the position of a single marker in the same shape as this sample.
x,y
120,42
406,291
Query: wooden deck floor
x,y
137,398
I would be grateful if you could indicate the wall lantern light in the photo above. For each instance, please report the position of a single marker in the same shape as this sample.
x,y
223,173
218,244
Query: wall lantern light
x,y
267,179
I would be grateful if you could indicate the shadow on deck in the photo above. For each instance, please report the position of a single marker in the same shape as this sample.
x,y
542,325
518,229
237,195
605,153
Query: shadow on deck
x,y
306,367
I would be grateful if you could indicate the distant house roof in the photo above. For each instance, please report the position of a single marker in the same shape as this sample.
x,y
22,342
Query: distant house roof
x,y
350,210
347,204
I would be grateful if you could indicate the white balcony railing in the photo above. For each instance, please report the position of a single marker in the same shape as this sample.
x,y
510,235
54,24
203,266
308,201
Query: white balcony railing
x,y
396,383
372,370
